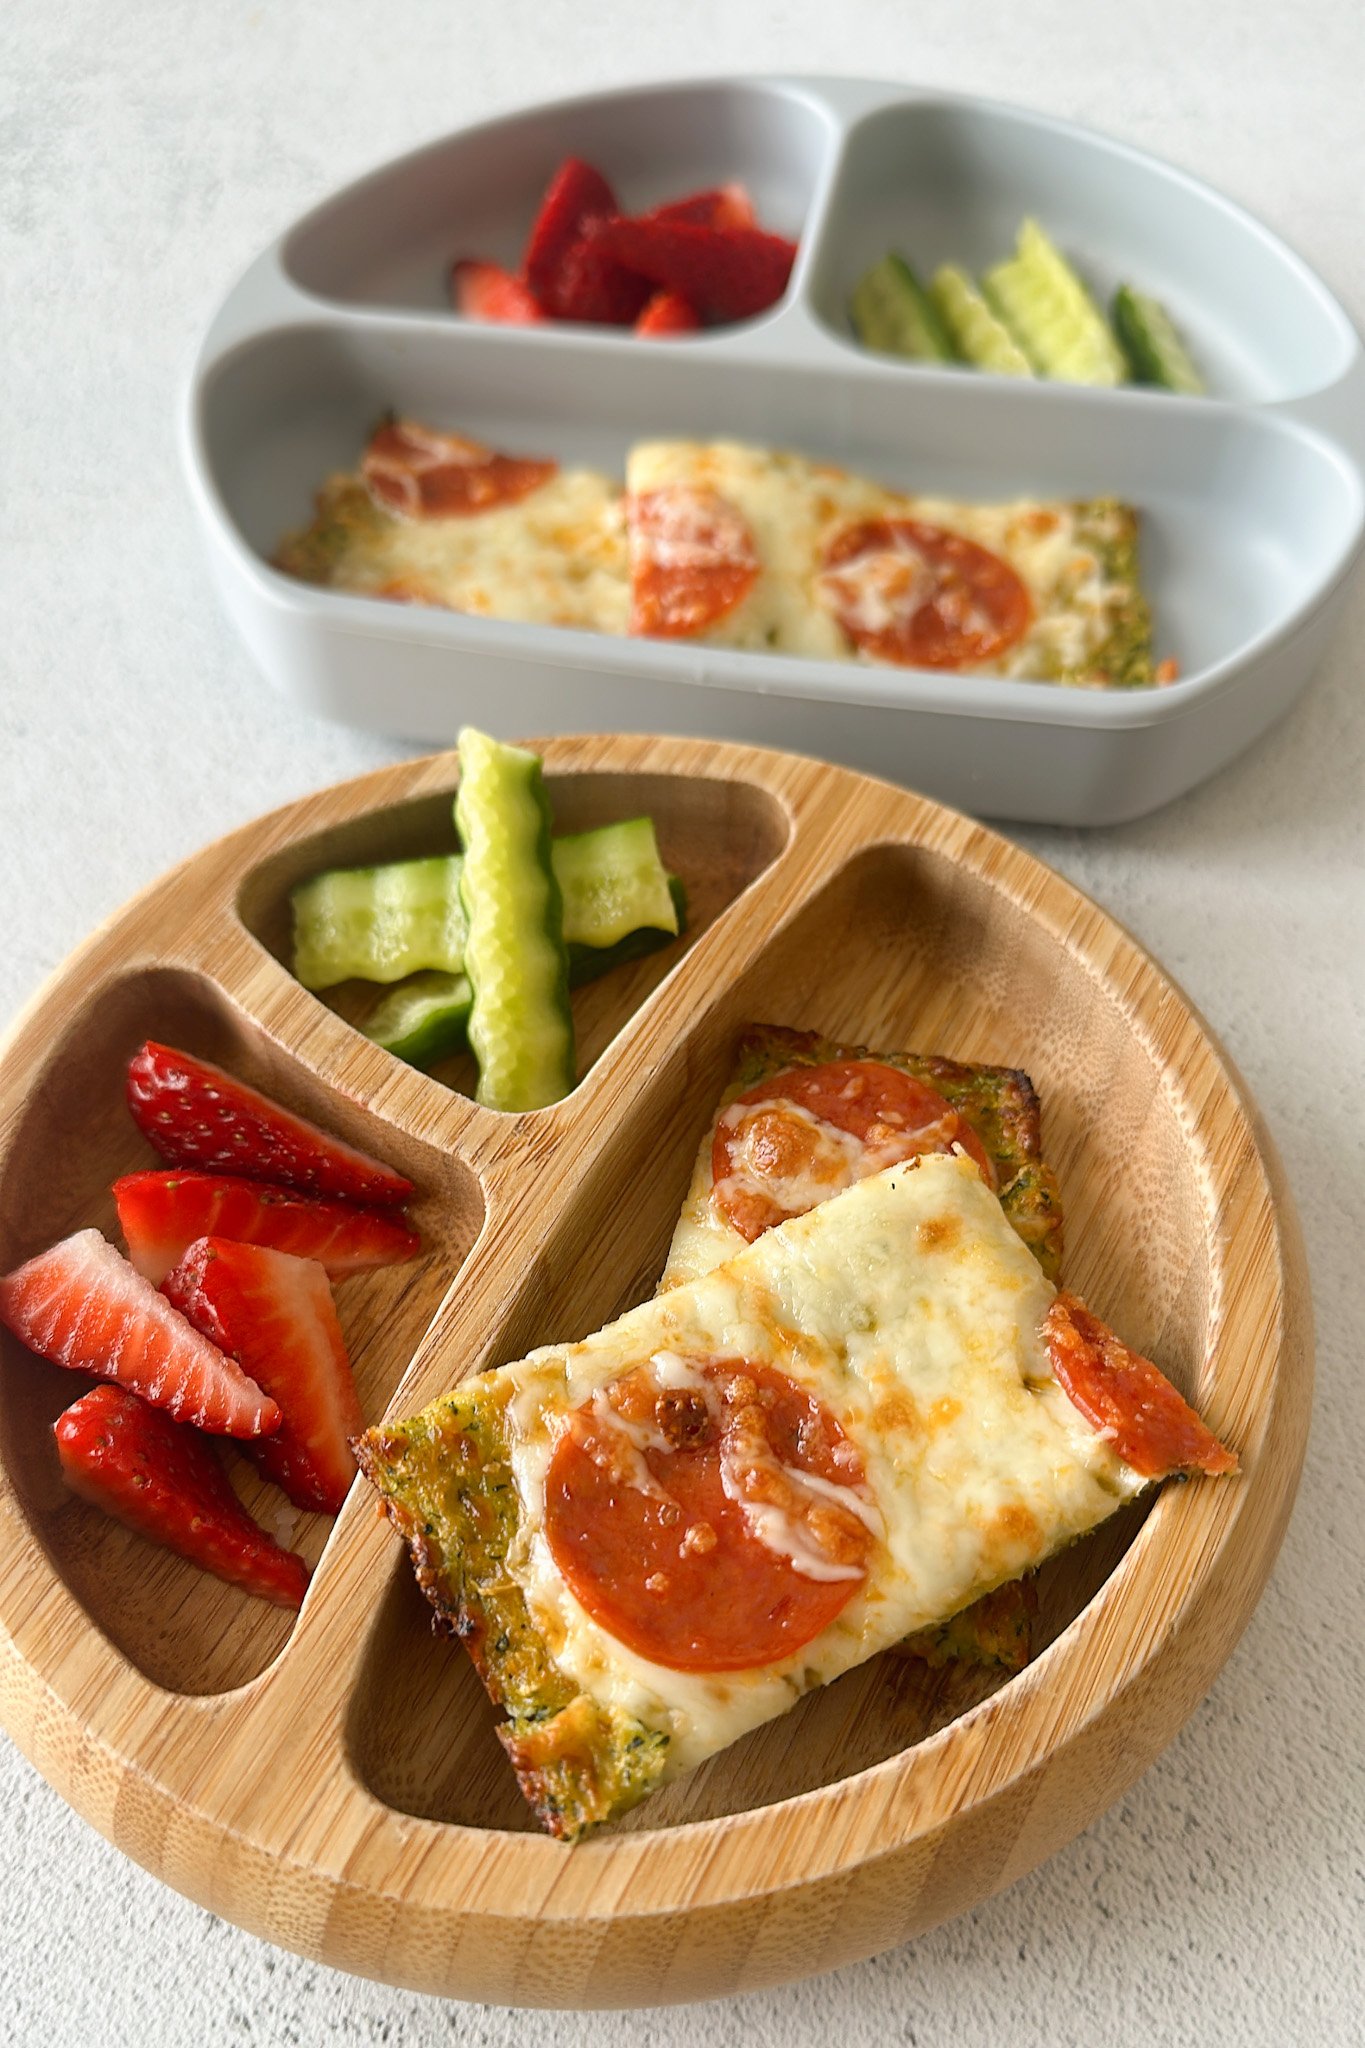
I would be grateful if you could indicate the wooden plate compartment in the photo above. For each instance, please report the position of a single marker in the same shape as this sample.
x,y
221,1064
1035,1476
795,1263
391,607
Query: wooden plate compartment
x,y
337,1786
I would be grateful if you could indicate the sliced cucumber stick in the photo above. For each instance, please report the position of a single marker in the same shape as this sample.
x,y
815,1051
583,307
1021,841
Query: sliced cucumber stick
x,y
379,924
520,1023
979,337
1051,314
423,1019
385,923
590,962
426,1017
613,882
1152,345
893,313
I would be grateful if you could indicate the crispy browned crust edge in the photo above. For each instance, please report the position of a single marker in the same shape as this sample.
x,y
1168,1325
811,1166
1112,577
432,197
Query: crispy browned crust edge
x,y
444,1484
997,1629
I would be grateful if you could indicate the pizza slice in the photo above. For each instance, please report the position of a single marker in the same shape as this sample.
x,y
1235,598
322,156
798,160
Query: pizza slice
x,y
435,518
739,546
656,1539
803,1117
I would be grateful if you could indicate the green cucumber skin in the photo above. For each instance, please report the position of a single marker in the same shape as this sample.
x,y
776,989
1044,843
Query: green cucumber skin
x,y
387,923
520,1022
893,314
590,963
1148,336
424,1025
423,1020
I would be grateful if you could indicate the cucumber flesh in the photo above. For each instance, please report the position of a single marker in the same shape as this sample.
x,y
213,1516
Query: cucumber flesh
x,y
613,882
386,923
1051,314
980,338
423,1019
520,1023
380,924
892,313
1153,347
590,963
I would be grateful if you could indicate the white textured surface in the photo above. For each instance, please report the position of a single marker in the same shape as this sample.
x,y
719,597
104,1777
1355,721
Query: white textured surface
x,y
146,152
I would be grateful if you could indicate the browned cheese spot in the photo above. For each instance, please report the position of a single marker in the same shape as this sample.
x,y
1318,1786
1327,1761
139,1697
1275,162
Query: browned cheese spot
x,y
897,1412
1015,1523
938,1233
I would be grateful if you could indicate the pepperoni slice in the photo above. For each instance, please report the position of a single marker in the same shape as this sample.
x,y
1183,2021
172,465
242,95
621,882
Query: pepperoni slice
x,y
416,473
692,560
709,1514
1126,1398
917,594
795,1140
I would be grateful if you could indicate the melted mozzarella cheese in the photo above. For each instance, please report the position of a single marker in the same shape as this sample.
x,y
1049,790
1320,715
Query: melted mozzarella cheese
x,y
784,501
793,1180
555,558
794,507
833,1157
703,1237
909,1306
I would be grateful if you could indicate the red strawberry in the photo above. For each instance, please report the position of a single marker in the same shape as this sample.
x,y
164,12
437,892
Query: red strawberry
x,y
668,313
196,1115
484,291
593,286
575,195
162,1212
274,1313
82,1305
727,273
167,1483
723,206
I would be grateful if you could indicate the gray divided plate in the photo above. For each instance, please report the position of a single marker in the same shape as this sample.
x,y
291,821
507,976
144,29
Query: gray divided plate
x,y
1252,499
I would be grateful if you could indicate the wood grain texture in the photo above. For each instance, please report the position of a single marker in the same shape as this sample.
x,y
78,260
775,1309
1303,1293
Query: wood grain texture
x,y
333,1782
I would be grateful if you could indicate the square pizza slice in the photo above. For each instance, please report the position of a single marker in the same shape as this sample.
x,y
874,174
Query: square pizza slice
x,y
435,518
802,1117
660,1537
739,546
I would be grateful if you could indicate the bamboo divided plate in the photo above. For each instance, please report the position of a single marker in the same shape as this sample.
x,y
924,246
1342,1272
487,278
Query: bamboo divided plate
x,y
332,1781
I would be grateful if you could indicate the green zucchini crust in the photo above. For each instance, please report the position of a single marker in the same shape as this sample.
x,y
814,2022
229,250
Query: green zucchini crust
x,y
446,1484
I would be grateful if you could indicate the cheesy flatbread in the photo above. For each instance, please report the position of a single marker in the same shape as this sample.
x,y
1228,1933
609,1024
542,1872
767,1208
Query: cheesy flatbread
x,y
739,546
728,545
803,1117
656,1539
437,519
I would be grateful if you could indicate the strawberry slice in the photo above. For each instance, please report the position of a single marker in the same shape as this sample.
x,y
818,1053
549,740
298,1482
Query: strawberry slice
x,y
574,196
723,206
593,286
668,312
162,1212
485,291
274,1313
727,273
83,1306
167,1483
197,1115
